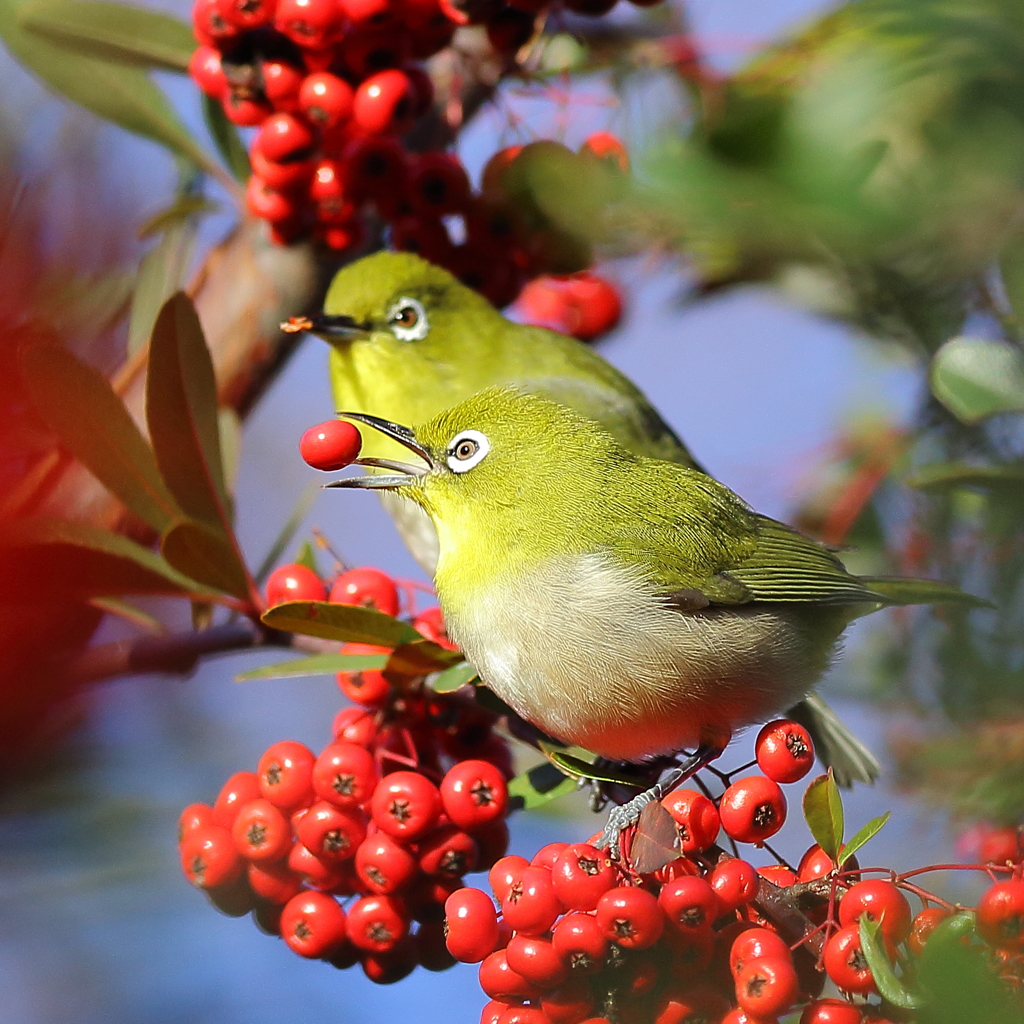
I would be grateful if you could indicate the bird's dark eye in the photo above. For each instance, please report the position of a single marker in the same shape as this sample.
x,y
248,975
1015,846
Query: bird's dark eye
x,y
408,320
466,449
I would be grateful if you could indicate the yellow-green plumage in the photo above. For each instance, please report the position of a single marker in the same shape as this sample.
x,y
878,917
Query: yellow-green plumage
x,y
626,604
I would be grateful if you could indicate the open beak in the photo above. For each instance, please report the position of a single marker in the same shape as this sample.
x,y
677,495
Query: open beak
x,y
402,474
330,326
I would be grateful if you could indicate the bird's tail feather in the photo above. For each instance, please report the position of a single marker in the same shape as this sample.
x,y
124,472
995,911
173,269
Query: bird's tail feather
x,y
836,747
902,590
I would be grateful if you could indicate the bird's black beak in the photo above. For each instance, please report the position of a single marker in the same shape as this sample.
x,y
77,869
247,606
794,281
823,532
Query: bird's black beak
x,y
403,475
329,326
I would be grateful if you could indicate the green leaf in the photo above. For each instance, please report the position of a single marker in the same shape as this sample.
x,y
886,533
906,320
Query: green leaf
x,y
538,786
342,622
863,835
889,986
229,430
976,378
54,559
187,206
206,555
584,769
181,409
960,474
116,92
420,658
306,555
111,31
78,404
283,539
1011,263
130,613
227,140
454,678
317,665
161,273
823,812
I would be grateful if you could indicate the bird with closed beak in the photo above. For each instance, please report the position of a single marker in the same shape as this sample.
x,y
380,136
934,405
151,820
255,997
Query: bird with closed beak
x,y
625,604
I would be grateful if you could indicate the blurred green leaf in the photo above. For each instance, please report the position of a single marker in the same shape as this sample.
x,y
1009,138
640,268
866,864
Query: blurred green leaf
x,y
226,138
206,555
112,31
823,812
538,786
116,92
1011,264
960,474
130,613
229,430
976,378
890,987
862,836
342,622
317,665
181,409
54,559
306,555
78,404
454,678
185,207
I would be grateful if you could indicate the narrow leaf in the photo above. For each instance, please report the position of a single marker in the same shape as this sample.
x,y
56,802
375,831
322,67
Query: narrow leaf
x,y
112,31
227,140
181,409
161,272
306,555
823,811
116,92
584,769
206,555
976,378
454,678
283,539
960,474
538,786
130,613
186,207
229,430
420,658
342,622
317,665
656,841
78,404
54,559
889,986
862,835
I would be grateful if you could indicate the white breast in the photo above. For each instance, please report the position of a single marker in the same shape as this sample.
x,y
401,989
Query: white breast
x,y
587,651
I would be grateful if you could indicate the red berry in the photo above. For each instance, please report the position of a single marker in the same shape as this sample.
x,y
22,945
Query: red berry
x,y
331,833
209,857
274,881
768,986
430,623
492,1012
377,923
691,1004
369,51
366,588
374,168
472,925
569,1003
448,851
206,71
240,789
607,146
326,100
294,583
261,832
313,924
354,725
382,865
499,981
530,905
431,950
689,903
753,809
268,203
881,901
212,22
815,863
313,24
317,873
677,868
778,874
508,30
361,13
536,960
331,445
193,817
505,872
595,306
281,84
630,917
438,184
922,927
831,1011
1000,915
345,775
368,687
696,818
474,793
391,966
755,944
283,138
523,1015
431,30
244,111
845,962
285,772
580,941
692,951
735,883
384,103
546,856
493,841
999,846
784,751
581,875
405,805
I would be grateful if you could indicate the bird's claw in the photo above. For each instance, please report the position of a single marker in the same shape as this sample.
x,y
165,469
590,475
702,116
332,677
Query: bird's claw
x,y
619,819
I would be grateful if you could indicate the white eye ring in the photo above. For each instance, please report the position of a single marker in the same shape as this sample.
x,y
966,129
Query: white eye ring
x,y
408,320
467,450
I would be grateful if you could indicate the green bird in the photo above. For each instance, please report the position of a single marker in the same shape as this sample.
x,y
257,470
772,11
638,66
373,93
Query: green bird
x,y
409,340
627,604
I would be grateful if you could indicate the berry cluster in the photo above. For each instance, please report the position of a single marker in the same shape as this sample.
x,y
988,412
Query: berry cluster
x,y
583,305
409,796
332,87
